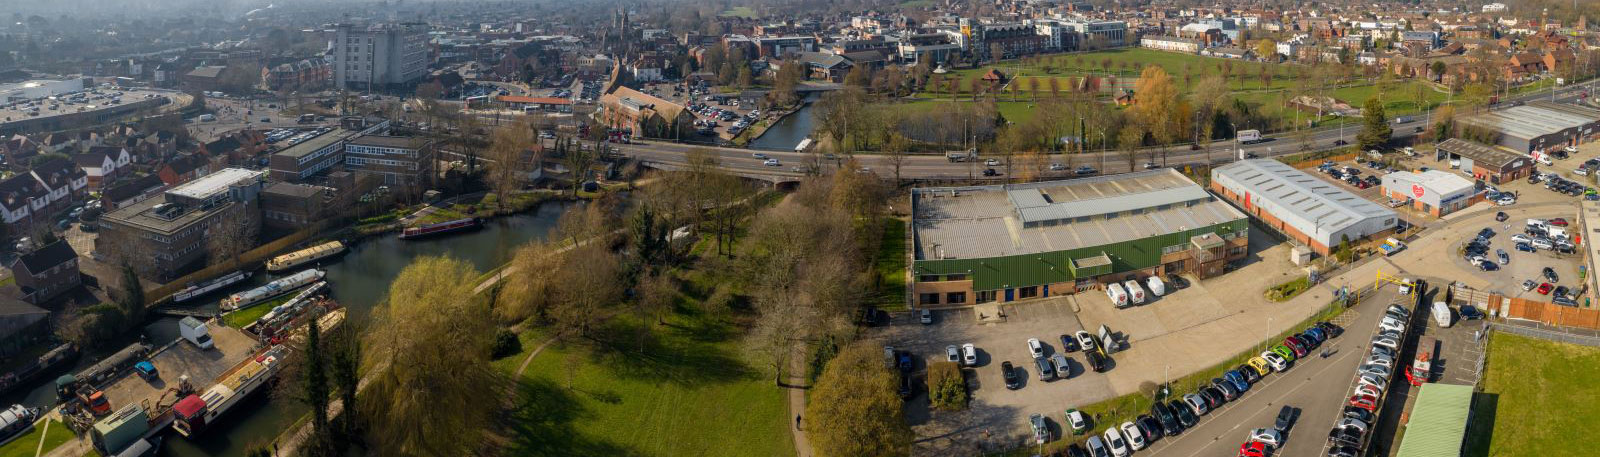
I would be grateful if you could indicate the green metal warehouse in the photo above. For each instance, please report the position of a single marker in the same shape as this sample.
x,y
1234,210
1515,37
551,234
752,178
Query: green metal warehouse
x,y
1018,241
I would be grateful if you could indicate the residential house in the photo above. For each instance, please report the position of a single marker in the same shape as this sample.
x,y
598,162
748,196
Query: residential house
x,y
18,148
182,169
21,196
130,191
63,181
47,272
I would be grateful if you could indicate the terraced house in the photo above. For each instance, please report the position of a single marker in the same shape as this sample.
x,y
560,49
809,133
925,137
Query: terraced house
x,y
1019,241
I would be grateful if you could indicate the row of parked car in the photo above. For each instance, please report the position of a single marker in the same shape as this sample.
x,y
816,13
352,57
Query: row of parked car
x,y
1371,382
1048,366
1171,418
1558,184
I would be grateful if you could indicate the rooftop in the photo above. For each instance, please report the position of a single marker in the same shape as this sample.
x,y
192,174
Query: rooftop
x,y
315,143
1013,219
385,141
1438,423
1487,155
1440,181
1535,119
210,185
1310,203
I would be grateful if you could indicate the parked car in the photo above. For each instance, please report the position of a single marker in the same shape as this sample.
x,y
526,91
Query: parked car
x,y
1132,435
1068,344
952,353
1268,436
1077,420
1181,411
969,355
1115,442
1035,348
1286,417
1150,427
1085,340
1013,380
1061,366
1168,420
1260,365
1196,404
1041,430
1046,371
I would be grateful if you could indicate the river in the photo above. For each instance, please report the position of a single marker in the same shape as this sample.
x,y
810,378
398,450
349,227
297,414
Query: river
x,y
788,132
359,280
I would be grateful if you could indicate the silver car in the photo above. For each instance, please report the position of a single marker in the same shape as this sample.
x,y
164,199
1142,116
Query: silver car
x,y
952,353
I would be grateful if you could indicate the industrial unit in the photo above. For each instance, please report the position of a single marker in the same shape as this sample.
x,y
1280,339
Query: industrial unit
x,y
1486,162
1539,126
1012,242
1307,209
1434,192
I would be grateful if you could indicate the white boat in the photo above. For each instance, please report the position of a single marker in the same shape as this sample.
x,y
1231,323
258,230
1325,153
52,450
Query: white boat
x,y
293,307
207,287
304,256
193,413
15,421
272,289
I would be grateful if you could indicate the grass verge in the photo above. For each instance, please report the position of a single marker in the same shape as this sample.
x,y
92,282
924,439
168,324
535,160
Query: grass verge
x,y
1529,401
25,445
1288,290
889,264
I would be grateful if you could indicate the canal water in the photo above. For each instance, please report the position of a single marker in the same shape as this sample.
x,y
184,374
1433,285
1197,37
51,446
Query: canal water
x,y
788,132
359,280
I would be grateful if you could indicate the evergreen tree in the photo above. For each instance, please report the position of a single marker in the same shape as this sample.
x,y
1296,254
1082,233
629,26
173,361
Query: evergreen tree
x,y
1377,130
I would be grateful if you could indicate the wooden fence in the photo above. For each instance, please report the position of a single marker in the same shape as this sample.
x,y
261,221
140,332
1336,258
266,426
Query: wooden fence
x,y
1550,313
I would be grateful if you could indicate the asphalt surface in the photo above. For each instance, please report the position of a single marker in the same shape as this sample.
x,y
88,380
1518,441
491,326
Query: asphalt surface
x,y
931,167
1314,385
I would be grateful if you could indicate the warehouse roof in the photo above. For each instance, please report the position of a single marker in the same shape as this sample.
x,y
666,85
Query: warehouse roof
x,y
992,221
1443,182
1438,421
212,184
1489,156
1309,204
1534,119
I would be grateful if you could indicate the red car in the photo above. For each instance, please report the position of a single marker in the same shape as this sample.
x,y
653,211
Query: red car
x,y
1544,288
1366,402
1295,345
1558,222
1254,449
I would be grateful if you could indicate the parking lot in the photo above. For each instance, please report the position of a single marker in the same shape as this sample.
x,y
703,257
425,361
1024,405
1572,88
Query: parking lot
x,y
1191,328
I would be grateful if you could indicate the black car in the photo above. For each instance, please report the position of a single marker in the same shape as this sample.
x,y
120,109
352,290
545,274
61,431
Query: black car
x,y
1169,421
1213,397
1149,427
1286,418
1076,450
1342,451
1013,380
1500,216
1469,312
1358,414
1373,180
1096,361
1185,417
1550,274
1333,330
1344,437
1249,373
1560,291
990,172
1069,344
1486,233
1311,341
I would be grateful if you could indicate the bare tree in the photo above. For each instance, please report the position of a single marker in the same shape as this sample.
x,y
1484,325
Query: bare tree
x,y
236,231
510,152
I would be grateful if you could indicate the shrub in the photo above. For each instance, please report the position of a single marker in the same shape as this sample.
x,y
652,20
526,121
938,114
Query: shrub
x,y
506,344
947,386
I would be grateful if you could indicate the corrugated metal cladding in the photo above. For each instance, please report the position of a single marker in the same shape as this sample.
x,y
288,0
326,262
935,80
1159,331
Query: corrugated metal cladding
x,y
1053,267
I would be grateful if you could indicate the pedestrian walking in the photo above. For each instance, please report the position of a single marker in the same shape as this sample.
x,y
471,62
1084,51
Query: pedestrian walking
x,y
797,422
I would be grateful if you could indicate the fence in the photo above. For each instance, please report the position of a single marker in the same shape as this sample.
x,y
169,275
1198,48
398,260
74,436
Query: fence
x,y
1549,313
1551,335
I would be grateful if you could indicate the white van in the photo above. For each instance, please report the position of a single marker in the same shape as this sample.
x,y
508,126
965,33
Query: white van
x,y
1135,293
1441,313
1118,296
1538,223
1157,288
207,118
1556,233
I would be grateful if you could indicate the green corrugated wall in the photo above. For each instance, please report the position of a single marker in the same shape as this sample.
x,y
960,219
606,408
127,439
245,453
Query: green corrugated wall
x,y
1009,272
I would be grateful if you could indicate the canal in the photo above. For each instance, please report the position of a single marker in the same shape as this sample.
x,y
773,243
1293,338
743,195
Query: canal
x,y
359,281
789,131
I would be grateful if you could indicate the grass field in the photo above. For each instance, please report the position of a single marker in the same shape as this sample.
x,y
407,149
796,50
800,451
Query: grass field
x,y
687,393
27,445
1537,399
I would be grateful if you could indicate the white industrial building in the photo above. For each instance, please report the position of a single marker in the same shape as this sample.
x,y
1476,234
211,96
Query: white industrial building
x,y
1434,192
1304,207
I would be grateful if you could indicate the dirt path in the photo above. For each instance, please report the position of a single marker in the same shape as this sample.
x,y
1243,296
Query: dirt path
x,y
796,385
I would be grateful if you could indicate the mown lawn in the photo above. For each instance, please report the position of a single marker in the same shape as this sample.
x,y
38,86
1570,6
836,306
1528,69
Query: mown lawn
x,y
1537,398
26,445
687,393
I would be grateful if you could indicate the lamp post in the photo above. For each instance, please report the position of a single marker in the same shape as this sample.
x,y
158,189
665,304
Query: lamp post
x,y
1103,149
